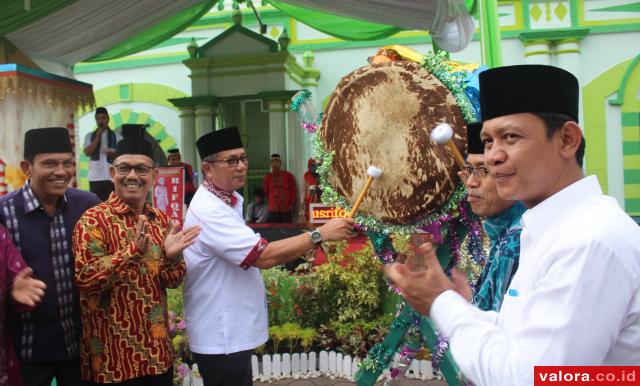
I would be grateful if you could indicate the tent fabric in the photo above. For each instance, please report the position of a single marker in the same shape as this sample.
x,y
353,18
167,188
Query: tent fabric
x,y
60,33
341,27
87,28
15,16
449,21
156,34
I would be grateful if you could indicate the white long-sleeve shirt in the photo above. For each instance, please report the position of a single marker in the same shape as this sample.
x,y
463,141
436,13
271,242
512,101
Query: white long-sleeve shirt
x,y
575,299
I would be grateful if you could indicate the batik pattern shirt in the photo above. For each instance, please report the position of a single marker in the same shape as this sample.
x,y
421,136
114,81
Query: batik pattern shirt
x,y
123,298
504,231
281,190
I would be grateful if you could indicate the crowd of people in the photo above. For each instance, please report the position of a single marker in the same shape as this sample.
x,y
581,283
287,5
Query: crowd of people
x,y
84,274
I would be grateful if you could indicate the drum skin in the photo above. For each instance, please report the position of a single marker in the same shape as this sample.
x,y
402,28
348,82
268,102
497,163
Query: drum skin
x,y
382,115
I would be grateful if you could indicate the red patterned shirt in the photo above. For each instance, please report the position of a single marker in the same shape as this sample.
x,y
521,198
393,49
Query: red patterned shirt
x,y
123,300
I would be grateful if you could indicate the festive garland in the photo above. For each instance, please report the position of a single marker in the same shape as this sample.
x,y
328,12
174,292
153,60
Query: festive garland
x,y
452,221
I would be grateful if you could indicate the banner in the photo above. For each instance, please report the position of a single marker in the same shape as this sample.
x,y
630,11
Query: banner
x,y
168,192
320,213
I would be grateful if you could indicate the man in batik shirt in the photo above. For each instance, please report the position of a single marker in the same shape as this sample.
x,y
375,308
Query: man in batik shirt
x,y
127,255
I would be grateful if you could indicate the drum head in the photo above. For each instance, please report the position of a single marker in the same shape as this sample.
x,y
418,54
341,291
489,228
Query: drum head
x,y
382,115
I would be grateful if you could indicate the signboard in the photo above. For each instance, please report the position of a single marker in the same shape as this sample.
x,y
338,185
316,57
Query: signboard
x,y
168,192
320,213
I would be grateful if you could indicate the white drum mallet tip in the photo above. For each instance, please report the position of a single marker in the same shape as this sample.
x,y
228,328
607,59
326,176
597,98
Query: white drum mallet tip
x,y
374,171
442,133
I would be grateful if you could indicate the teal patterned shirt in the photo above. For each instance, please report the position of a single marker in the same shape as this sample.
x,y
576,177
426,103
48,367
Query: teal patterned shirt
x,y
504,231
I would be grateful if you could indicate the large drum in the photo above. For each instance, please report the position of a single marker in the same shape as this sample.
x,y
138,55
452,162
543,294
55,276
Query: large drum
x,y
382,115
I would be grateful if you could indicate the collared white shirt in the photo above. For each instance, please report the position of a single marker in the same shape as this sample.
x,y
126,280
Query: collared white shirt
x,y
225,305
575,299
99,170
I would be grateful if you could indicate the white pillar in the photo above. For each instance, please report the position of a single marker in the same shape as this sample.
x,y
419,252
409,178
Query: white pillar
x,y
204,117
188,135
277,126
296,157
568,58
537,52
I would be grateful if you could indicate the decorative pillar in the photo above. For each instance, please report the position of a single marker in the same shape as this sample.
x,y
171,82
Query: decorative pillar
x,y
568,58
188,134
277,126
568,55
205,116
297,157
538,52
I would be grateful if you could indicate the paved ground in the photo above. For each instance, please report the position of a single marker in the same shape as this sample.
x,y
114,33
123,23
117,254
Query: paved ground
x,y
343,382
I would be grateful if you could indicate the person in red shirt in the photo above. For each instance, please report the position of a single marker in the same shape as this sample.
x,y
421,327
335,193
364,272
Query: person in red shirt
x,y
174,159
280,188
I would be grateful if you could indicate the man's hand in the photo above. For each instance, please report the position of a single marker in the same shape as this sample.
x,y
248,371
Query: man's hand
x,y
337,229
177,240
460,284
26,289
420,288
141,239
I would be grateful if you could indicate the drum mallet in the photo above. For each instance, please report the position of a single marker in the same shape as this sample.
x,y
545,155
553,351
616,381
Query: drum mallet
x,y
373,172
442,134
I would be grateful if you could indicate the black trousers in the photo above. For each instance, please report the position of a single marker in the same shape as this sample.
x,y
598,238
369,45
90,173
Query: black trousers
x,y
280,217
67,373
225,370
101,188
164,379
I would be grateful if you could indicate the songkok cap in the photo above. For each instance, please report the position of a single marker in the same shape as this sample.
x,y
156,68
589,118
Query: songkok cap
x,y
173,151
102,110
219,140
134,145
133,130
528,88
474,144
47,140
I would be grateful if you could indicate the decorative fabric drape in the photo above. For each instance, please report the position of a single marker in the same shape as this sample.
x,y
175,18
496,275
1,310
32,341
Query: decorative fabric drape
x,y
31,99
449,21
104,29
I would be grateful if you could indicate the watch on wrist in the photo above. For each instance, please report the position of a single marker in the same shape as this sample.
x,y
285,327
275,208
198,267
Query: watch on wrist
x,y
316,237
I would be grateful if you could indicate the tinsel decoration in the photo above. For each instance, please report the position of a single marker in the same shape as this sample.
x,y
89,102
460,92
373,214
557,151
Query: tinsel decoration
x,y
301,103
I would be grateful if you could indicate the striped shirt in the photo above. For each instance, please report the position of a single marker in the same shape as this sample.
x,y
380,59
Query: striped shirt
x,y
51,332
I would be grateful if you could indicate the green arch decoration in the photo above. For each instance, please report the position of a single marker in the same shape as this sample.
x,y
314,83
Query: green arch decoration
x,y
595,94
126,93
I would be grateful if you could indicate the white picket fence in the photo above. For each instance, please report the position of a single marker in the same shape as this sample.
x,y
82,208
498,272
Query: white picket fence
x,y
312,365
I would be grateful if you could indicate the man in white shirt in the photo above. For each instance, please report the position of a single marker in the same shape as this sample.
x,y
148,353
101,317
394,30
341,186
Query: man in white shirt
x,y
100,146
575,299
224,297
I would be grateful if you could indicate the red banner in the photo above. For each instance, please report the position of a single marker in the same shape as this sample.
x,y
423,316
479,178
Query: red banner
x,y
586,375
168,192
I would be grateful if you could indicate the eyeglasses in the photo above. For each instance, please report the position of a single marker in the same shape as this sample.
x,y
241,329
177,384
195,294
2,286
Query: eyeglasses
x,y
140,169
479,172
233,161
